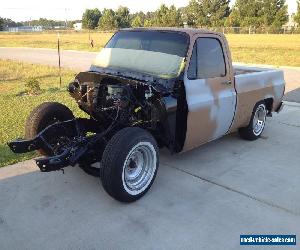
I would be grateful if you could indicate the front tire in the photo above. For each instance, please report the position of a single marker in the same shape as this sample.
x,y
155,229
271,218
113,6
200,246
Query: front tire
x,y
129,164
257,123
43,116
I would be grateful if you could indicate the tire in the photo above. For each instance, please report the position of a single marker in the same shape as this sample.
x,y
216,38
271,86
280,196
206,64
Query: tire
x,y
43,116
257,123
129,164
93,171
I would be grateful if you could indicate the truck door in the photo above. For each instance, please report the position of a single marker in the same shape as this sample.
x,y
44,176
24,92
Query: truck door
x,y
210,92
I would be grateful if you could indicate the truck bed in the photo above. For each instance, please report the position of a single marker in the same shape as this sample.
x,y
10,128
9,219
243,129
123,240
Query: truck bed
x,y
253,84
240,69
249,79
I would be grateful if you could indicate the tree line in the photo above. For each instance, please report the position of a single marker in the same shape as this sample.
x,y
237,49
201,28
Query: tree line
x,y
45,23
198,13
7,22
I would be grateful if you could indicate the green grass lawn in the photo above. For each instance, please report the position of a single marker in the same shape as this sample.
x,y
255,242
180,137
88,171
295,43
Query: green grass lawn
x,y
262,49
68,40
15,106
279,50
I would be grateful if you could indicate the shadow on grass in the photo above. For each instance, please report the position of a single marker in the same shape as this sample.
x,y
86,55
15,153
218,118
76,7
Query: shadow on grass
x,y
7,157
43,91
57,90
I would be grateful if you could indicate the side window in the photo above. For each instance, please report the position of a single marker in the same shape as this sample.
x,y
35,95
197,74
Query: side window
x,y
207,59
192,70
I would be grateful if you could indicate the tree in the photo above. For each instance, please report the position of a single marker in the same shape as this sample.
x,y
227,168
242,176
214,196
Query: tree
x,y
46,23
149,19
147,23
140,18
207,12
108,20
174,17
167,17
274,13
297,16
1,24
245,13
90,18
72,22
137,22
123,17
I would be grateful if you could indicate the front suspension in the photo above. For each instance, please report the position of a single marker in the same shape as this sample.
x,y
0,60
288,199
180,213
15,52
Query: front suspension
x,y
65,154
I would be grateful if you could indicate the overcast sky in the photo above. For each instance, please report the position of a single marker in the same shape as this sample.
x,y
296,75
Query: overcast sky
x,y
20,10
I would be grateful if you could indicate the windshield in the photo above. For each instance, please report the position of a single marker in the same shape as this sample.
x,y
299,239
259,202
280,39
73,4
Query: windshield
x,y
156,53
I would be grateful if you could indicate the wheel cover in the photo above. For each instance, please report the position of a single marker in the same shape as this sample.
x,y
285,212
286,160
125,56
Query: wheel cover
x,y
259,119
139,168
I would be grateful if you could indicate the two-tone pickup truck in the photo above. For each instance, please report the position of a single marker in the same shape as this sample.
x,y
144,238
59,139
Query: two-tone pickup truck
x,y
151,88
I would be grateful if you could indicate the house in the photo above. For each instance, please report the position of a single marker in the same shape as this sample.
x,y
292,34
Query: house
x,y
77,26
25,29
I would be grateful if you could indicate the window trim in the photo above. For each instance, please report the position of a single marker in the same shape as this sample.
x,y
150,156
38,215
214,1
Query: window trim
x,y
187,72
195,44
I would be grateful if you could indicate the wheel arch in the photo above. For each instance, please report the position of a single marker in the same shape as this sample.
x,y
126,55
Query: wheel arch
x,y
269,104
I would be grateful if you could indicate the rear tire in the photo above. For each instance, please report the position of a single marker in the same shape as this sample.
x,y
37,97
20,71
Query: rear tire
x,y
43,116
257,123
129,164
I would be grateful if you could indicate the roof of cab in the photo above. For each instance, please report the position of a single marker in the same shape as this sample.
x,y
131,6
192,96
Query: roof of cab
x,y
189,31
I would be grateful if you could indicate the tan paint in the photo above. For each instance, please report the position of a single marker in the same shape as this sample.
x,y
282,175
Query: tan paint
x,y
201,126
209,125
247,98
245,105
202,119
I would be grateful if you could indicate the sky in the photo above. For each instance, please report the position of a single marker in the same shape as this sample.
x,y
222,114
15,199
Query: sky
x,y
20,10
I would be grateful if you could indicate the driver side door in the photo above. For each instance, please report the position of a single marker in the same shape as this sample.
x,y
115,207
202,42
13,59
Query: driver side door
x,y
210,93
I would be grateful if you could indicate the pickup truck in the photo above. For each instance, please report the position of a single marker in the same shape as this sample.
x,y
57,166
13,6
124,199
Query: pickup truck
x,y
148,89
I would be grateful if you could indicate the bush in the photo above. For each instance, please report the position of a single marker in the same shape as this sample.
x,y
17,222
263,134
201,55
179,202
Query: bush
x,y
32,86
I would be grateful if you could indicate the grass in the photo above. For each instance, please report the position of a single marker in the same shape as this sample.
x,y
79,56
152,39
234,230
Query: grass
x,y
262,49
15,107
69,40
279,50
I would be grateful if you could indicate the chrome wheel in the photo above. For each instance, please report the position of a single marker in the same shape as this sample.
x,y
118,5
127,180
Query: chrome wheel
x,y
139,168
259,119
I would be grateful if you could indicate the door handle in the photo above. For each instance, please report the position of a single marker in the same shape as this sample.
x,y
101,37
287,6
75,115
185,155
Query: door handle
x,y
227,82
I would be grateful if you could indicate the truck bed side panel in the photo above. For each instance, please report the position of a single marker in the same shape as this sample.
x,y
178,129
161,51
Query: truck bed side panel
x,y
253,87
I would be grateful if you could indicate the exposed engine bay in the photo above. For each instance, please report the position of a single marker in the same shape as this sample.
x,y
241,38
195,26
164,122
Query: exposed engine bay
x,y
113,104
109,100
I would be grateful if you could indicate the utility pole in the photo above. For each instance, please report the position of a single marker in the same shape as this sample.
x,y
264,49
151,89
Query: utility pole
x,y
66,21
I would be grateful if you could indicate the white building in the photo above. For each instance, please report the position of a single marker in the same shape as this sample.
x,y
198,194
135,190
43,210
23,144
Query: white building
x,y
77,26
26,29
291,23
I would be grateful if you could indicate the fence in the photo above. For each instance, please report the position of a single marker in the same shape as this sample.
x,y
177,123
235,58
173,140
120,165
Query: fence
x,y
256,30
225,30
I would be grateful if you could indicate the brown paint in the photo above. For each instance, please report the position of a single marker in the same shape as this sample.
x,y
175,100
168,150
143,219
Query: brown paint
x,y
246,102
201,127
208,127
